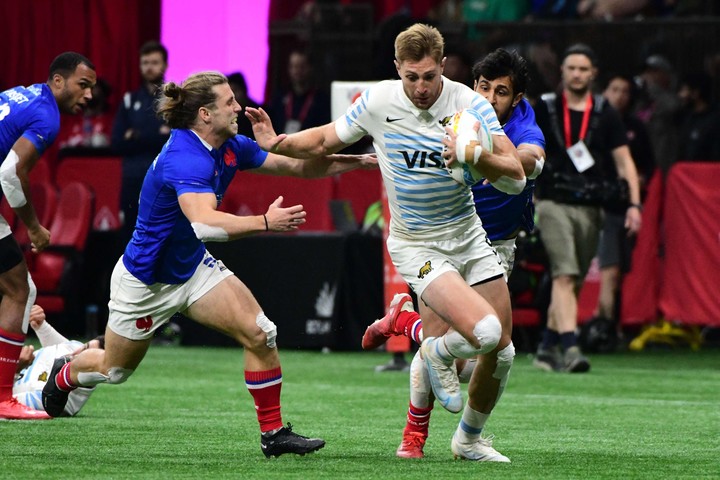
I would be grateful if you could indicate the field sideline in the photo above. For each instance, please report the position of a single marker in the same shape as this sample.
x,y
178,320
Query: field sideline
x,y
186,414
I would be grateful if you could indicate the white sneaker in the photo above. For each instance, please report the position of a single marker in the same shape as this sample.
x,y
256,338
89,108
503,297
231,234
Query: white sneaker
x,y
479,451
443,376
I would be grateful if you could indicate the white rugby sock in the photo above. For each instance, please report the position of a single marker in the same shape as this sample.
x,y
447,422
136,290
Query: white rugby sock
x,y
471,425
419,383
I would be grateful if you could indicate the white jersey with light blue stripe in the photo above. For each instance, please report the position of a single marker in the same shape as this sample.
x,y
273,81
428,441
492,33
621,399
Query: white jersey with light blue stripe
x,y
28,388
425,202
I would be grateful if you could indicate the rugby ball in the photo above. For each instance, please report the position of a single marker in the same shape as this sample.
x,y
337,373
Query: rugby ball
x,y
463,122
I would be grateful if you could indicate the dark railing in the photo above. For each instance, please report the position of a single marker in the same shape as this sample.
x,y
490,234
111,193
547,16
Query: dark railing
x,y
347,45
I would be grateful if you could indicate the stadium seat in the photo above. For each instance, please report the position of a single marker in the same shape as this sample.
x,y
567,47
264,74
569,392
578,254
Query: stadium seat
x,y
41,172
57,270
104,176
361,188
44,198
251,194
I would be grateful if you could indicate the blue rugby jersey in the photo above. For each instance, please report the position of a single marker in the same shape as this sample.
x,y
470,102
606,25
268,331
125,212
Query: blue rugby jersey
x,y
502,214
164,248
30,112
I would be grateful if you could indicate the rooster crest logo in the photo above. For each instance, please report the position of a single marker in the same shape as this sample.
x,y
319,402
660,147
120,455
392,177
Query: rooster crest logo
x,y
144,323
325,302
43,377
425,269
446,121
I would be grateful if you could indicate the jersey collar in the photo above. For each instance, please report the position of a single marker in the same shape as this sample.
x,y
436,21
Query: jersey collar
x,y
207,145
431,112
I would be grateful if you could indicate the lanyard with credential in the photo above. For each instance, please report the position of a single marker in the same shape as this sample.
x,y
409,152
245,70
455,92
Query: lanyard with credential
x,y
303,110
585,120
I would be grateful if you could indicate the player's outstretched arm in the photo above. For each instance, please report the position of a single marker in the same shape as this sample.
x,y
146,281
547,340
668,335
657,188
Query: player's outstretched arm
x,y
311,143
316,167
210,225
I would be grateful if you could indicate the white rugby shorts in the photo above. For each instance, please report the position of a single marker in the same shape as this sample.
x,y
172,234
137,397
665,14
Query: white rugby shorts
x,y
470,254
136,310
506,251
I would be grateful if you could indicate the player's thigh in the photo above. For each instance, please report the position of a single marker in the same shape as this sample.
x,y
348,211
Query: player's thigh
x,y
433,324
456,302
121,352
228,307
469,255
496,293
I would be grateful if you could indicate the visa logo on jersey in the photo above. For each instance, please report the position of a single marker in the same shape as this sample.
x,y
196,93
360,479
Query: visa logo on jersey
x,y
422,159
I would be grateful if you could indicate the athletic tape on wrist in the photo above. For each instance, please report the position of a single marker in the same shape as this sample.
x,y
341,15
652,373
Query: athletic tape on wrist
x,y
539,164
509,185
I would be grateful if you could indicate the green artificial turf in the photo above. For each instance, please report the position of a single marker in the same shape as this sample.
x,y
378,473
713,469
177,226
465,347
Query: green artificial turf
x,y
186,414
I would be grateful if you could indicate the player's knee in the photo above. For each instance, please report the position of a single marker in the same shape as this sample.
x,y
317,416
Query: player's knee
x,y
90,379
488,332
268,328
261,337
504,362
117,375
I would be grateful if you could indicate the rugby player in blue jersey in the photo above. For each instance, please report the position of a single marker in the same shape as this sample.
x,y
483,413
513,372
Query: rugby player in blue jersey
x,y
167,269
29,123
502,78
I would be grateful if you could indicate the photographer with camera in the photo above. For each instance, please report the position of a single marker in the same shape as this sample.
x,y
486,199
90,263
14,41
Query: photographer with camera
x,y
588,169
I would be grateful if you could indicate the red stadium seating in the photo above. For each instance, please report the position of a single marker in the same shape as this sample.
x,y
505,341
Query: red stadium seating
x,y
55,271
44,198
361,188
104,176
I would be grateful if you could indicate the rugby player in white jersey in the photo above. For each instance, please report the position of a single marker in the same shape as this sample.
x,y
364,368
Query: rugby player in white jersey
x,y
436,240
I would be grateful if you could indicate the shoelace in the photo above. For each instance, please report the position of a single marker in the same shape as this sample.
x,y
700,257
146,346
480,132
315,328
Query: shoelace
x,y
414,439
487,441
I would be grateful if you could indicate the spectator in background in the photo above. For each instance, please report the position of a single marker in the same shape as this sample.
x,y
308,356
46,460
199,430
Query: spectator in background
x,y
491,11
458,66
611,9
239,87
302,105
565,9
699,132
138,135
586,145
711,66
658,107
93,128
615,247
621,92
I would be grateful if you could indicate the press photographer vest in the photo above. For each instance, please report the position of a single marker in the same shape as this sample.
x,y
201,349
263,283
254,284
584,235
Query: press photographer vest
x,y
598,185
